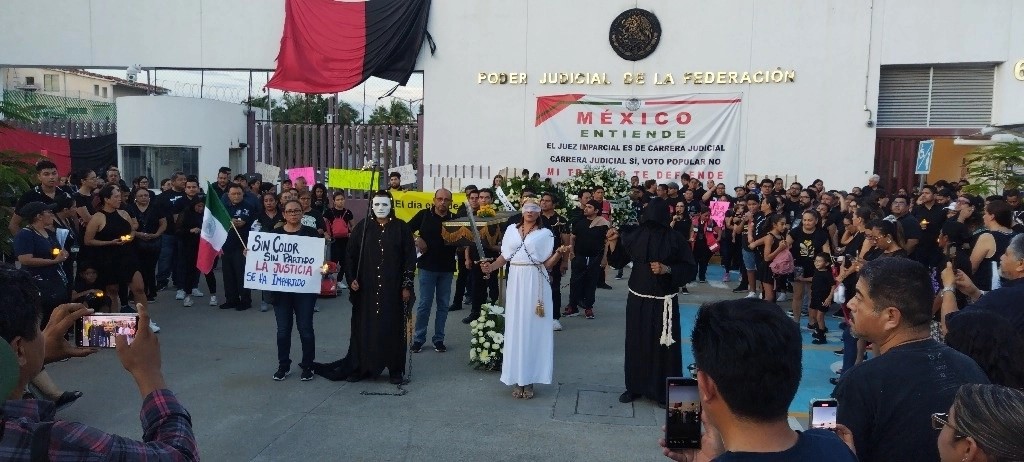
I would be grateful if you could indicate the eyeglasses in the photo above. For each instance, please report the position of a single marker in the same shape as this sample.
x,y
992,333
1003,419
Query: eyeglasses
x,y
940,420
293,211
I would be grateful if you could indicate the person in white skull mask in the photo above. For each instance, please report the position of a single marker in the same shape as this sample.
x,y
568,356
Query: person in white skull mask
x,y
380,263
381,207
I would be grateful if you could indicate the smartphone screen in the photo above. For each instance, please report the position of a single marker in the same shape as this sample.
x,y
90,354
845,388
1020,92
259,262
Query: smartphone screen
x,y
682,414
100,330
823,414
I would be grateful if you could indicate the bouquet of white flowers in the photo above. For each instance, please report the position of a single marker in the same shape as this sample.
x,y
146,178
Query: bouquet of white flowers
x,y
487,345
616,190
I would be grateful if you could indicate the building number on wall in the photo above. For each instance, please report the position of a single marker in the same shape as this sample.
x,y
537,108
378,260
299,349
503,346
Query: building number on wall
x,y
1018,70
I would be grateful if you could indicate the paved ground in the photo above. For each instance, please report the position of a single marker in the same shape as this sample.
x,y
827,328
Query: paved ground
x,y
220,362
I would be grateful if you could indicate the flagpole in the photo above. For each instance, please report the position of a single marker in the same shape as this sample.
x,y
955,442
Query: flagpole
x,y
239,235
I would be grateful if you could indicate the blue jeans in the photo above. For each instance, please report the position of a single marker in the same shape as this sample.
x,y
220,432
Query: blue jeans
x,y
849,349
433,284
167,266
287,305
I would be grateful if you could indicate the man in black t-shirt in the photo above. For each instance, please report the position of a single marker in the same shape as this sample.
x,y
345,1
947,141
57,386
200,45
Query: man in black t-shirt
x,y
47,192
930,216
745,393
220,188
436,268
887,402
170,204
588,244
900,207
559,226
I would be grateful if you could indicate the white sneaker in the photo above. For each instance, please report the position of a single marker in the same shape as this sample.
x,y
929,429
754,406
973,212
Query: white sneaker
x,y
179,295
188,301
342,285
558,325
197,293
751,295
263,307
153,327
782,297
213,300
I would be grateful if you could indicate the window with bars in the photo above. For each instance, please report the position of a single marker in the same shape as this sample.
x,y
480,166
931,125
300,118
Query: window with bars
x,y
936,96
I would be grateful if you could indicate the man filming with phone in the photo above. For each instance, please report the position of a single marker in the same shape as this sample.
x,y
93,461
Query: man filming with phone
x,y
30,428
745,392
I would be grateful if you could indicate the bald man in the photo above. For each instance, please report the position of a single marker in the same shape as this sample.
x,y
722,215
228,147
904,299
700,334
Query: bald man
x,y
436,269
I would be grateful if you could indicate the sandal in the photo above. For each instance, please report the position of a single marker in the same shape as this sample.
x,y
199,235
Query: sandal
x,y
517,392
528,392
66,399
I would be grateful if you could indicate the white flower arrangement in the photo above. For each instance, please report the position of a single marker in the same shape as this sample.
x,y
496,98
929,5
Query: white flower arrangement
x,y
616,190
488,338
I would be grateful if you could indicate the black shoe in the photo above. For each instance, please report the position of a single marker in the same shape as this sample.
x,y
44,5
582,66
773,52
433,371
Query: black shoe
x,y
604,286
242,307
839,352
819,341
282,372
812,326
228,305
470,318
703,281
741,289
834,380
627,397
684,291
355,377
395,379
439,347
416,347
454,307
160,286
307,375
66,399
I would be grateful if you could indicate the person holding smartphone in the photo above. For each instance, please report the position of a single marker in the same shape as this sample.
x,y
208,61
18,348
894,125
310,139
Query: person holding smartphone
x,y
745,393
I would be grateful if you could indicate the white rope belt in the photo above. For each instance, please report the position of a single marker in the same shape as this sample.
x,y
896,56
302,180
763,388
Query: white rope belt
x,y
513,263
666,315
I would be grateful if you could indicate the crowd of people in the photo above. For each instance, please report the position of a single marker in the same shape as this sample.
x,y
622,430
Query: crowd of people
x,y
926,281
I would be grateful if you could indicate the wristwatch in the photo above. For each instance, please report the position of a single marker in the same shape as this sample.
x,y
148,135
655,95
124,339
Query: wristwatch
x,y
950,289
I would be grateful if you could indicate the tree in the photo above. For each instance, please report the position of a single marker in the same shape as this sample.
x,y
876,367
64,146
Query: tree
x,y
995,168
398,113
299,108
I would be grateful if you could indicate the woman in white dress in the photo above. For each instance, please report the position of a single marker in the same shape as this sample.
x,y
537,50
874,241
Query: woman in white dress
x,y
529,338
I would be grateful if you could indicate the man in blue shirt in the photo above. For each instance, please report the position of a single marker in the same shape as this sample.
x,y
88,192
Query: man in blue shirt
x,y
242,215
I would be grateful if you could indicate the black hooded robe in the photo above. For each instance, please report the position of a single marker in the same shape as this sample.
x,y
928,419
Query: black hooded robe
x,y
647,361
384,266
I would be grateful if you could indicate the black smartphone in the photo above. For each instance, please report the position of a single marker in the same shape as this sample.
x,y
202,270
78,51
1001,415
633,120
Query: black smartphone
x,y
682,413
823,413
100,330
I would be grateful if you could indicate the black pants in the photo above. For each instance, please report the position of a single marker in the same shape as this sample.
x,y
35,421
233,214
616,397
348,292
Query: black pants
x,y
461,281
480,288
556,290
147,266
338,246
586,271
702,254
234,272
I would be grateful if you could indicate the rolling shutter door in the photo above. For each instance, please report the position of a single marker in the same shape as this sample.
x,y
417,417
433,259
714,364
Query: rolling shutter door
x,y
939,96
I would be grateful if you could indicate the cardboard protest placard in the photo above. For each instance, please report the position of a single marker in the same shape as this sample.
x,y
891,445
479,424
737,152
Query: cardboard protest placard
x,y
270,173
718,209
352,179
304,172
284,263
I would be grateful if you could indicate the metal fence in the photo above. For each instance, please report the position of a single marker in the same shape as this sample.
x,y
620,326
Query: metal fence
x,y
47,106
71,129
326,146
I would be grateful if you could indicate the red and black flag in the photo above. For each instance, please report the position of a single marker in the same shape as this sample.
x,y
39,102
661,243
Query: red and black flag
x,y
330,46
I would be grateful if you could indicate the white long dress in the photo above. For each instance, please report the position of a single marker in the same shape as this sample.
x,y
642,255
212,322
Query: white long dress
x,y
529,339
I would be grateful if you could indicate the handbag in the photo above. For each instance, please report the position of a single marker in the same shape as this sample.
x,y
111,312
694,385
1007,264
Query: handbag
x,y
52,291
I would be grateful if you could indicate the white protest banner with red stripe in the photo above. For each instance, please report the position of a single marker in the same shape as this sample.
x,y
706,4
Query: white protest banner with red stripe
x,y
652,137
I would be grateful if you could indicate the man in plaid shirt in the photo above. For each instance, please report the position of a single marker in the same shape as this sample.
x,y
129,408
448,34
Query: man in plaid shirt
x,y
30,428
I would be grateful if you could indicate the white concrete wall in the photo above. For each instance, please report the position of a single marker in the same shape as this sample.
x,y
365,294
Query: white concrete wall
x,y
212,126
814,127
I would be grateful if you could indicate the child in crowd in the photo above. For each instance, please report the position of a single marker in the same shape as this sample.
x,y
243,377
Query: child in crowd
x,y
85,283
822,288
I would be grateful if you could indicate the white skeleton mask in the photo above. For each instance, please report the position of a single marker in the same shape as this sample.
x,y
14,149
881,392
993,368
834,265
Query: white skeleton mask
x,y
381,207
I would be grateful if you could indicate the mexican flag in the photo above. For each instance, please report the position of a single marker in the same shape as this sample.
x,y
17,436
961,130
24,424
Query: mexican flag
x,y
214,232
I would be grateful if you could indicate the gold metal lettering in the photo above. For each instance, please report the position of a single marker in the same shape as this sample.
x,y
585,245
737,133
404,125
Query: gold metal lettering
x,y
667,80
732,77
1018,70
759,77
720,77
790,76
640,78
745,78
481,77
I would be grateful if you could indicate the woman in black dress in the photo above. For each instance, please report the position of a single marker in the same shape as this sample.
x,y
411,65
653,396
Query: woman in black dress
x,y
151,226
111,236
